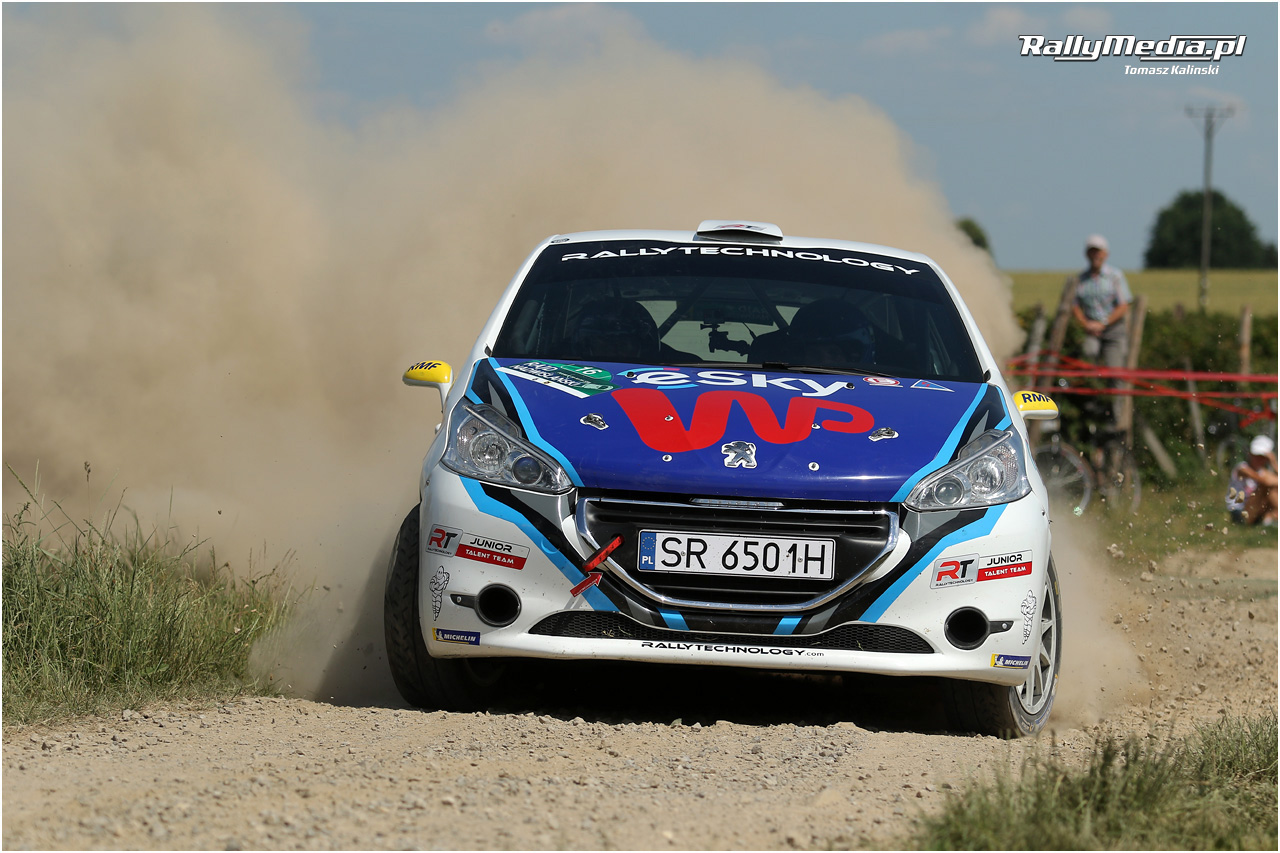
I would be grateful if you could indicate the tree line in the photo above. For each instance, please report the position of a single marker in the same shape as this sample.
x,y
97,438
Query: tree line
x,y
1174,242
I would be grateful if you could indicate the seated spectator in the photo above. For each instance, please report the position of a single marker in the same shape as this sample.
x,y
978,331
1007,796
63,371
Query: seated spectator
x,y
1251,497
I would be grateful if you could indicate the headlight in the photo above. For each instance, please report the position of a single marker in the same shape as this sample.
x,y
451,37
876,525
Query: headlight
x,y
991,470
484,445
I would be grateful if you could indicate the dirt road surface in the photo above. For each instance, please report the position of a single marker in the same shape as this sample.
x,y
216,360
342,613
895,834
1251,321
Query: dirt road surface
x,y
634,757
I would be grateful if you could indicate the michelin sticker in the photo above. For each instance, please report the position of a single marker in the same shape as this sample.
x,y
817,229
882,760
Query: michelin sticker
x,y
1000,661
469,638
576,379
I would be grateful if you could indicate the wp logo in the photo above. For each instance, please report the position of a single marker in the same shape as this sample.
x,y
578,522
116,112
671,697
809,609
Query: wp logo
x,y
661,428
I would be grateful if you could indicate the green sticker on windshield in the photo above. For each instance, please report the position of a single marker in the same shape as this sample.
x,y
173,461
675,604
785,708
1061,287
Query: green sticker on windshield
x,y
577,379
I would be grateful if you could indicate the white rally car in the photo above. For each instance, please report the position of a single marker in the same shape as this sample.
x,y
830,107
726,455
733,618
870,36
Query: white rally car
x,y
734,447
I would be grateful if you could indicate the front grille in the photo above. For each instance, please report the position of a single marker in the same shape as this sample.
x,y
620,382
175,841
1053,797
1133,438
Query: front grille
x,y
852,637
862,534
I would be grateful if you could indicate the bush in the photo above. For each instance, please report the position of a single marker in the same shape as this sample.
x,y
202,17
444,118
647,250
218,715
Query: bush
x,y
1214,791
1172,339
94,621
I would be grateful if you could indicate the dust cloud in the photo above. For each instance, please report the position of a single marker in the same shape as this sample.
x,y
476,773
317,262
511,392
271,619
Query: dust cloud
x,y
1100,672
210,291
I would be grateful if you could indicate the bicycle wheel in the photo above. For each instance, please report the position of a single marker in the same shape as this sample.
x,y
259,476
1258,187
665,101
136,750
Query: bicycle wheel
x,y
1229,451
1066,475
1119,480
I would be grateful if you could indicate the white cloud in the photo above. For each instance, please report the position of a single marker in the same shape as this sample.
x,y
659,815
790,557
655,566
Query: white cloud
x,y
1004,24
1093,20
573,27
915,41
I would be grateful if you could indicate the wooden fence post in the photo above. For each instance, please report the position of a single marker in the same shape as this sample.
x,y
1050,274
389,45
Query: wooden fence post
x,y
1138,313
1197,421
1035,340
1246,339
1057,335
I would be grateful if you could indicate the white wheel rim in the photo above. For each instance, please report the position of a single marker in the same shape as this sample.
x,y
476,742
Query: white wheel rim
x,y
1036,690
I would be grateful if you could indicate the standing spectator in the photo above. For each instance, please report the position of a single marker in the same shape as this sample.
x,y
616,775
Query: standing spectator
x,y
1251,497
1101,306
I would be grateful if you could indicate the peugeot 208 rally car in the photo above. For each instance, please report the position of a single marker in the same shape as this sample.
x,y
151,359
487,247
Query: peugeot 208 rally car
x,y
732,447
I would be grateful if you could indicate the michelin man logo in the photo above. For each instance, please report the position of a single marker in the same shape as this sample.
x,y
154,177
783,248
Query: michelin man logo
x,y
439,581
1028,614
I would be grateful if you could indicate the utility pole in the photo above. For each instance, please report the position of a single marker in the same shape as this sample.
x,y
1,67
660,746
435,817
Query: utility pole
x,y
1213,117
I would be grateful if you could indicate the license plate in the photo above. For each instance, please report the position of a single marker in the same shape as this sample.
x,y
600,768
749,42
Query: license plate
x,y
716,554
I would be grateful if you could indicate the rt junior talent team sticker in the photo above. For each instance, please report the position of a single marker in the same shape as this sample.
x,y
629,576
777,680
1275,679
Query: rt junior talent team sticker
x,y
454,543
971,568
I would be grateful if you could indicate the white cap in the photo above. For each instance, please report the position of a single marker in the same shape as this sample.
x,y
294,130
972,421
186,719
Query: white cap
x,y
1096,241
1261,445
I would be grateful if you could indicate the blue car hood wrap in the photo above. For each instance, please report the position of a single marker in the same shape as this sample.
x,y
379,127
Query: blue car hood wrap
x,y
740,433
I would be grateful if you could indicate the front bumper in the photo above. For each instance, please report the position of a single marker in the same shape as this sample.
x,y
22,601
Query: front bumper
x,y
481,543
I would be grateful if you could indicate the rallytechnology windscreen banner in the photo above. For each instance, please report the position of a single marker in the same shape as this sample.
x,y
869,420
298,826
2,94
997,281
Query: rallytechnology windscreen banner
x,y
738,432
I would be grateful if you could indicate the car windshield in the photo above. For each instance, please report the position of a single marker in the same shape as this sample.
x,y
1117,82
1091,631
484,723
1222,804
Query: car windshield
x,y
664,303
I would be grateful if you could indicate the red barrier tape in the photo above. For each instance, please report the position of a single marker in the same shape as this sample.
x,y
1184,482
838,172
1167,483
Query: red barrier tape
x,y
1048,364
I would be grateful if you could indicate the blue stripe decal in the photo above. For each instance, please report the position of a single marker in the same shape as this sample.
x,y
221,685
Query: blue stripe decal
x,y
787,626
597,599
531,429
674,620
947,450
474,397
981,527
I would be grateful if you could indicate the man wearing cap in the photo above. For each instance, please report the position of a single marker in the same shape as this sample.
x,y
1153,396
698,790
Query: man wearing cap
x,y
1101,304
1251,497
1102,301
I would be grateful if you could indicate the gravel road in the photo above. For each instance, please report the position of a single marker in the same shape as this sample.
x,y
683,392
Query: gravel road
x,y
636,757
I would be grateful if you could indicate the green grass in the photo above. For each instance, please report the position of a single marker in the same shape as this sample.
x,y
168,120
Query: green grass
x,y
1177,517
1229,290
1215,790
96,621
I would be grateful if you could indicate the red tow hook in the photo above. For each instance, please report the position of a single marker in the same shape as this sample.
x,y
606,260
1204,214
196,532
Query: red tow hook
x,y
592,576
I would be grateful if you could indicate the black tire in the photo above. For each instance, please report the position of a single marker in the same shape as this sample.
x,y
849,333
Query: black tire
x,y
1013,712
1066,475
447,684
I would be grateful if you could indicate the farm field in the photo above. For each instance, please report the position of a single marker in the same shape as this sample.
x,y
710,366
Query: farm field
x,y
1229,290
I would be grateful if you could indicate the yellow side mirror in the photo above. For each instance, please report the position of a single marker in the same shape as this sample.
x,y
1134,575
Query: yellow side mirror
x,y
1035,406
432,374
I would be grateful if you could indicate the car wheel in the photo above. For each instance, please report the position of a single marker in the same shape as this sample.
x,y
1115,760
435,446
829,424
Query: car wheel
x,y
1021,710
448,684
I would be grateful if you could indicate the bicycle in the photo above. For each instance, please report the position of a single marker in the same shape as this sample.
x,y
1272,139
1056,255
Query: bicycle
x,y
1072,479
1233,434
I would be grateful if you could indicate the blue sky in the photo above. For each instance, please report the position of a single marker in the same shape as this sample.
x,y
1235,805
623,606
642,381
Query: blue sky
x,y
1040,153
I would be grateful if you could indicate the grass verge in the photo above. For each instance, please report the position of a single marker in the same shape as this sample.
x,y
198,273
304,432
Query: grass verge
x,y
96,621
1170,519
1215,790
1229,290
